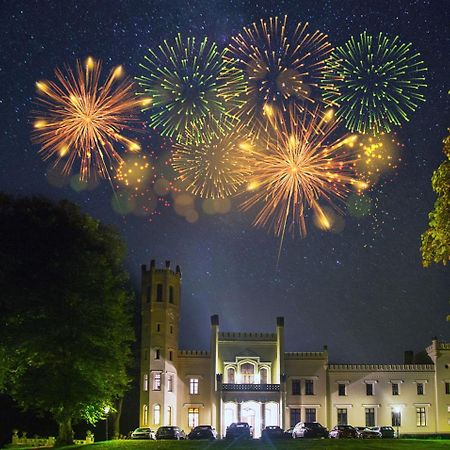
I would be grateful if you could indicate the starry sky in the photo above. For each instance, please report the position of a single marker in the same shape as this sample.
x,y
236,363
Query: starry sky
x,y
361,291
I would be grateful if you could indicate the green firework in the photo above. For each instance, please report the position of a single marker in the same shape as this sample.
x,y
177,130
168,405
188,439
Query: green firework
x,y
375,82
185,82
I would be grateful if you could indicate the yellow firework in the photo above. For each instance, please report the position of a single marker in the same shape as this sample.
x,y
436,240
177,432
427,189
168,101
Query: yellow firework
x,y
134,172
216,167
82,120
302,165
282,64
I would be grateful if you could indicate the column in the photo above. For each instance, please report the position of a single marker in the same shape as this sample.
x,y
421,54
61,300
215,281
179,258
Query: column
x,y
239,404
263,415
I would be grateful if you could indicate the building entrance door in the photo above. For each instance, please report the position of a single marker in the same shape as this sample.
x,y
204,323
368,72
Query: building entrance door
x,y
251,413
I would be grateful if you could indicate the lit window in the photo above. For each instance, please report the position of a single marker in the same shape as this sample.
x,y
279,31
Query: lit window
x,y
420,389
421,417
157,414
170,383
370,417
157,353
295,387
171,294
145,415
342,389
263,376
145,384
310,414
309,387
369,388
342,416
395,390
159,292
396,418
295,416
193,417
193,386
248,373
156,381
230,375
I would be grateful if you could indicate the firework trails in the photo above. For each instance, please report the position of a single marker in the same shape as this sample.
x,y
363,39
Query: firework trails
x,y
217,165
375,81
185,82
83,120
301,166
282,64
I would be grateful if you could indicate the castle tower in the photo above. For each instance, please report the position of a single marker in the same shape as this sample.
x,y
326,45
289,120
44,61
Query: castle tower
x,y
160,314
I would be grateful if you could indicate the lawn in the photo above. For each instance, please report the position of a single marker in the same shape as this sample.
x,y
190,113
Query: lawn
x,y
325,444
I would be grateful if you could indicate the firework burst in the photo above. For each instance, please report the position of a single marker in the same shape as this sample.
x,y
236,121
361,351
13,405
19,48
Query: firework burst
x,y
376,82
185,82
83,120
302,165
282,64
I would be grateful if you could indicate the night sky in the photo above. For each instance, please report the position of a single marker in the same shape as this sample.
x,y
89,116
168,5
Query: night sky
x,y
361,291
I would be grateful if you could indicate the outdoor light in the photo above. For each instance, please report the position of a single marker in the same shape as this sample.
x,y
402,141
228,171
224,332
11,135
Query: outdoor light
x,y
397,410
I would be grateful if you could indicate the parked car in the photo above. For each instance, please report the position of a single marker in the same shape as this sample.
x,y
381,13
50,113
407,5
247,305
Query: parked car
x,y
272,432
203,432
170,433
239,430
370,433
143,433
309,430
288,432
344,432
387,432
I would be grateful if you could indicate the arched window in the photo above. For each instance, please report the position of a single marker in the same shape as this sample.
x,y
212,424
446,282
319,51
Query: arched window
x,y
145,384
157,414
230,375
145,415
248,373
263,375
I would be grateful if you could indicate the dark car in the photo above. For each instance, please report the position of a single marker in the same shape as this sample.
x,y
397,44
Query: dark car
x,y
387,432
272,432
239,430
309,430
344,432
170,433
370,433
288,432
203,432
143,433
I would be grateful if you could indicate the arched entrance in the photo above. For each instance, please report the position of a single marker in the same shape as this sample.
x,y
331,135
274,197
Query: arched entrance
x,y
251,413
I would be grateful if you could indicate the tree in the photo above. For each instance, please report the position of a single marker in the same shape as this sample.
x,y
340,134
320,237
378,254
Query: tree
x,y
65,311
435,246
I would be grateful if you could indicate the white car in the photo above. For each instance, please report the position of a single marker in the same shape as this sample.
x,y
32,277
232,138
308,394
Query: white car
x,y
143,433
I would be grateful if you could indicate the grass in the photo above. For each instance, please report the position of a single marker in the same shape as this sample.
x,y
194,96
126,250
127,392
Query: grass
x,y
300,444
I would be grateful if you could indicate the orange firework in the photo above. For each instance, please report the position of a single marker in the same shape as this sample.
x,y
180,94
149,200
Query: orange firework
x,y
302,165
81,119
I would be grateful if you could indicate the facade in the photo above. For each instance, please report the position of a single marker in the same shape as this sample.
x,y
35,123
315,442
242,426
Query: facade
x,y
249,377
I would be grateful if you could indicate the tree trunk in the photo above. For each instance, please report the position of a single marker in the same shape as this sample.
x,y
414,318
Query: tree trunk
x,y
116,418
65,435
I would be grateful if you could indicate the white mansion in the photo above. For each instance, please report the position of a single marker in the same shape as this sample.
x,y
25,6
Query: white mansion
x,y
249,377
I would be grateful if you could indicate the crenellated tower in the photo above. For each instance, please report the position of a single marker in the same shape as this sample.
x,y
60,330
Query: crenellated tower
x,y
160,315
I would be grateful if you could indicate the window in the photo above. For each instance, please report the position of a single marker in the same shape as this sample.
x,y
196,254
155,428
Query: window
x,y
294,416
447,387
171,329
295,387
421,417
263,376
342,389
145,383
157,353
171,294
370,417
248,373
169,415
159,292
158,327
309,388
369,388
396,418
193,414
230,375
342,416
420,389
193,386
395,390
145,415
310,414
170,383
170,355
156,381
157,414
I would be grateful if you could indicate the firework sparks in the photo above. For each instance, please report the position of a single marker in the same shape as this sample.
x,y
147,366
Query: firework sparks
x,y
301,166
81,119
375,81
185,82
282,64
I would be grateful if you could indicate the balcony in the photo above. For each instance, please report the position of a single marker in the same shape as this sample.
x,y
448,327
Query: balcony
x,y
232,387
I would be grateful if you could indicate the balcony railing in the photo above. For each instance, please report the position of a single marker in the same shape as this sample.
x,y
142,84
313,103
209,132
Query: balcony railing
x,y
251,387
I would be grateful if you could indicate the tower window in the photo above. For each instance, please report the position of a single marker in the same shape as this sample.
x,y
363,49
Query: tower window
x,y
295,387
342,390
170,383
369,388
171,295
193,386
145,382
157,414
309,387
158,327
420,389
156,381
159,292
193,417
157,353
170,355
171,329
395,390
447,387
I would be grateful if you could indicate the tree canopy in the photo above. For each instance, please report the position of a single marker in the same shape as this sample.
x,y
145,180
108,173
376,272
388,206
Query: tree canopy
x,y
65,311
435,246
